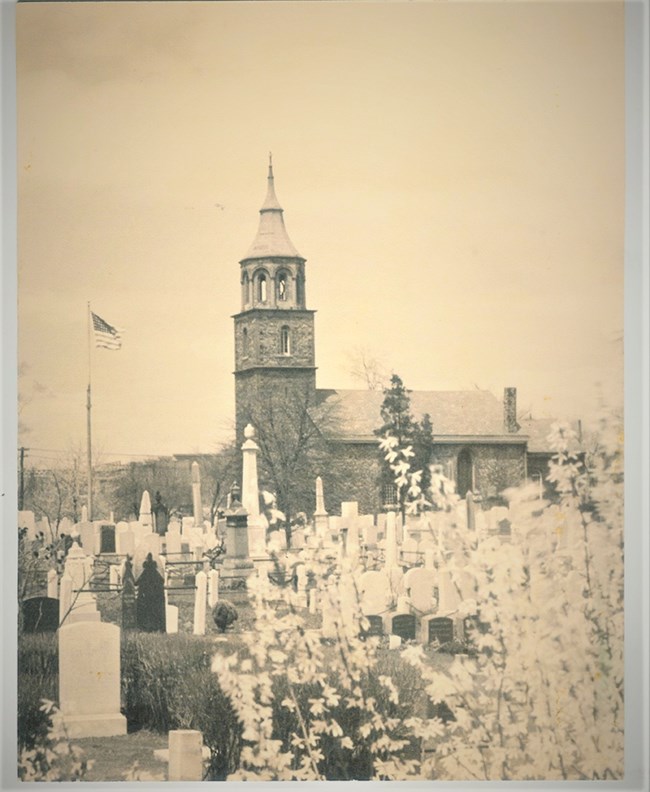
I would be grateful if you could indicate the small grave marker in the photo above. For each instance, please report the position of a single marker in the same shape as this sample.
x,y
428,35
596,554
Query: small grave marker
x,y
441,629
404,625
107,539
375,627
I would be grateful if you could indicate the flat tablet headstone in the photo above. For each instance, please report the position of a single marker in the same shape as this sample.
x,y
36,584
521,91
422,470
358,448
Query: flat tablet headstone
x,y
375,627
40,614
441,629
185,755
404,625
107,539
89,679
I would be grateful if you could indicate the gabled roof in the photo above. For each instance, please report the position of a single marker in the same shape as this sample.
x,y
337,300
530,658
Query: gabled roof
x,y
272,238
453,413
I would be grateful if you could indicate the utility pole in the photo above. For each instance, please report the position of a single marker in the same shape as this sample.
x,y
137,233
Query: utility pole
x,y
21,491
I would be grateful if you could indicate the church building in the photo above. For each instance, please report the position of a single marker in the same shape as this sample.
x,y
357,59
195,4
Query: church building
x,y
478,439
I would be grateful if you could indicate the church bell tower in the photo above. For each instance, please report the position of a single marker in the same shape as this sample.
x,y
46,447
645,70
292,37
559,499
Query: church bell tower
x,y
274,331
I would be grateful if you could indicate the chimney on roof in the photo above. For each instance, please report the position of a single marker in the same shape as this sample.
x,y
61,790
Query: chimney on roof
x,y
510,410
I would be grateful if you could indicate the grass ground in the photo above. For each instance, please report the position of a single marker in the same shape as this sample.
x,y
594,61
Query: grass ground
x,y
114,757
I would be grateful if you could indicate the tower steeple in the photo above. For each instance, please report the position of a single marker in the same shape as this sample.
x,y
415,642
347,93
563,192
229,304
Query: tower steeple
x,y
272,238
274,331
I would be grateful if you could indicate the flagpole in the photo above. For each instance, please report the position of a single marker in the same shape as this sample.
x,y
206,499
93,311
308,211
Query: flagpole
x,y
90,457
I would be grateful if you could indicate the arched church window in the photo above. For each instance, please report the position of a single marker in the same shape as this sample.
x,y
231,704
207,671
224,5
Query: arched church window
x,y
245,290
261,288
285,341
245,344
282,287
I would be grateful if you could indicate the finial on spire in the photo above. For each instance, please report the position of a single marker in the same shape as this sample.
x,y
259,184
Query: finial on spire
x,y
270,165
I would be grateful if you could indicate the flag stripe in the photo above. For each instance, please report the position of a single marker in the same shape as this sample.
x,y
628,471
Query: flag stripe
x,y
106,336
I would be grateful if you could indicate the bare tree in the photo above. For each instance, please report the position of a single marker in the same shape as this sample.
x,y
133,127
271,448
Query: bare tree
x,y
292,434
368,369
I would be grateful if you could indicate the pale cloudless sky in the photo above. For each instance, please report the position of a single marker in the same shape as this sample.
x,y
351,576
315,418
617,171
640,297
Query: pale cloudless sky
x,y
452,172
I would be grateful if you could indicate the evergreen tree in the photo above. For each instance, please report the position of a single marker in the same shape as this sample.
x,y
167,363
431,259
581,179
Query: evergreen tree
x,y
396,412
399,423
422,449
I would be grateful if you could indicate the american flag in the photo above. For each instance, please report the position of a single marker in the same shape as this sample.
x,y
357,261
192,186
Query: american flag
x,y
105,336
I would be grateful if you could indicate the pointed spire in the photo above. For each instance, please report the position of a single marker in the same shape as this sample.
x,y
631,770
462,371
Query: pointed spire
x,y
271,203
272,238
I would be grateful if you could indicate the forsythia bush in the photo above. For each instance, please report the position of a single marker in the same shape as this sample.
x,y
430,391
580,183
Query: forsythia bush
x,y
316,710
52,758
543,699
541,695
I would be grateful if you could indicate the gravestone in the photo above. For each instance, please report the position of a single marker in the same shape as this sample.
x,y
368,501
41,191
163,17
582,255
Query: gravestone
x,y
200,595
381,526
404,625
140,532
187,525
171,619
114,576
89,679
149,544
441,629
173,539
65,598
150,603
129,621
375,627
409,552
419,583
448,596
52,584
79,568
145,519
125,543
375,592
368,529
504,527
40,614
213,587
391,540
86,532
107,538
185,755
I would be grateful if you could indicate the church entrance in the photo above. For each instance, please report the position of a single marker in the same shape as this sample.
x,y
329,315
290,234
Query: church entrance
x,y
464,472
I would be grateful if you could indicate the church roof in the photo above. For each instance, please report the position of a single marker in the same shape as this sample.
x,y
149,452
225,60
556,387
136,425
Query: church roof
x,y
468,415
453,413
272,238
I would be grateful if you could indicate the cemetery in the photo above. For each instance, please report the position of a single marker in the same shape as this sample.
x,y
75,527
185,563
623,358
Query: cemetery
x,y
229,651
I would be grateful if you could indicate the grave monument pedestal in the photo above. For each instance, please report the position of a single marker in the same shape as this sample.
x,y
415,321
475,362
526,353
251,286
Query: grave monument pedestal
x,y
236,563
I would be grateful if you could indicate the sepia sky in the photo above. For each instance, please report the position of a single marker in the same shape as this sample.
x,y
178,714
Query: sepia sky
x,y
452,172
